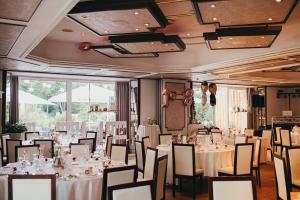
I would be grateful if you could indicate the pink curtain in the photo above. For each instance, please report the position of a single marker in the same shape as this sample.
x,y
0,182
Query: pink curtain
x,y
14,99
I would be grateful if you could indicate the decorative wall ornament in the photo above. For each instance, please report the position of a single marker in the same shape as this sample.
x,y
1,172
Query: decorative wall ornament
x,y
204,88
166,95
213,91
188,97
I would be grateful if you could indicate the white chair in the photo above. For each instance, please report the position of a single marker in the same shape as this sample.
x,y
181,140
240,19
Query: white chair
x,y
134,191
184,165
91,134
239,139
232,188
117,176
11,150
109,140
268,134
89,141
216,137
30,151
165,138
139,155
146,143
256,160
33,187
293,163
150,164
243,162
249,132
283,189
119,153
286,140
31,135
78,150
276,139
46,147
4,137
160,177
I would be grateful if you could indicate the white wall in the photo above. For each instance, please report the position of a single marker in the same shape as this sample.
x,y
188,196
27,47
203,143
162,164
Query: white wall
x,y
148,101
275,105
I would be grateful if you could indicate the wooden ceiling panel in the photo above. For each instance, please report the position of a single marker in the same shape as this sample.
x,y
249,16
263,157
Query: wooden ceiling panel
x,y
9,34
244,12
20,10
176,7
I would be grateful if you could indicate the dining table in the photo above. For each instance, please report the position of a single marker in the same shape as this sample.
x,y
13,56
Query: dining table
x,y
79,179
208,157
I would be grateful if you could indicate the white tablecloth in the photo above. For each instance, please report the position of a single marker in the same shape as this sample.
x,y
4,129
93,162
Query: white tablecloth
x,y
209,159
87,188
149,130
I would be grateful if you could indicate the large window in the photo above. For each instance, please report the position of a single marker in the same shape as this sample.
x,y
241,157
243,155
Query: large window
x,y
35,103
229,112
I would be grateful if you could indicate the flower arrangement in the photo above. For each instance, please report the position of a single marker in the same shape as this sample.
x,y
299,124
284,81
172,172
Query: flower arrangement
x,y
15,128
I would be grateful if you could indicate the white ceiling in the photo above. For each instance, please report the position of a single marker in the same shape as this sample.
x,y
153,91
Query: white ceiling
x,y
54,47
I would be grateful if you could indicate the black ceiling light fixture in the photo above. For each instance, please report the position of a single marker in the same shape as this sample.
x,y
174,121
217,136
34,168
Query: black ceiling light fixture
x,y
115,17
117,52
148,43
242,37
243,13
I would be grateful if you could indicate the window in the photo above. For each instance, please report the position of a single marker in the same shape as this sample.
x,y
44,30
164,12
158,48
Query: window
x,y
39,102
204,113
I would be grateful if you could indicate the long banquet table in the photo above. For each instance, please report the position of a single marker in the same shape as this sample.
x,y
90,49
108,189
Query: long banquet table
x,y
208,158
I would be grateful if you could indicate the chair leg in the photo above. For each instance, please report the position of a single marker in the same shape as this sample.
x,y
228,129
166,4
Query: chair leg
x,y
259,177
194,188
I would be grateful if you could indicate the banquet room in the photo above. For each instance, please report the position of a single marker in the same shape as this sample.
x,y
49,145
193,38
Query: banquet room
x,y
149,99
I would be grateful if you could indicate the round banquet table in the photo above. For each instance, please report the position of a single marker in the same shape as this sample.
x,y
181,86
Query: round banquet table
x,y
208,158
152,131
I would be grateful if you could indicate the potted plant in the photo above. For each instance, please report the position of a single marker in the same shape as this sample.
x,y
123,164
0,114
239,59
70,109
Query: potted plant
x,y
15,130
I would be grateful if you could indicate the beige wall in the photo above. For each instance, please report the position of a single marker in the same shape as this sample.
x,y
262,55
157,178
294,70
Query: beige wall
x,y
275,105
148,101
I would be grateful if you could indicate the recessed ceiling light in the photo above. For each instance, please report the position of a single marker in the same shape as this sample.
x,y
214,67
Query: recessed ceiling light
x,y
218,41
278,1
188,34
166,45
230,38
219,47
67,30
146,24
262,37
106,31
152,43
258,45
215,19
212,6
137,29
136,13
270,19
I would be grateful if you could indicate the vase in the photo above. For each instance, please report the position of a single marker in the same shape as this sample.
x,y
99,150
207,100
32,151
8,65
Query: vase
x,y
17,136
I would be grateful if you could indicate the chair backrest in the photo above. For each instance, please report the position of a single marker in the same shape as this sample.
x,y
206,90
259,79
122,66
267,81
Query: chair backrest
x,y
91,134
216,136
61,126
282,183
139,155
293,163
183,159
46,147
243,159
285,138
33,187
239,139
11,150
119,152
117,176
165,138
140,190
150,163
146,143
257,148
31,135
1,158
232,188
160,177
89,141
277,131
30,150
78,150
4,137
268,134
249,132
109,140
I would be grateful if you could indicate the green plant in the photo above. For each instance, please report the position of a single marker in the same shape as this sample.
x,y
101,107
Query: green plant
x,y
15,128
